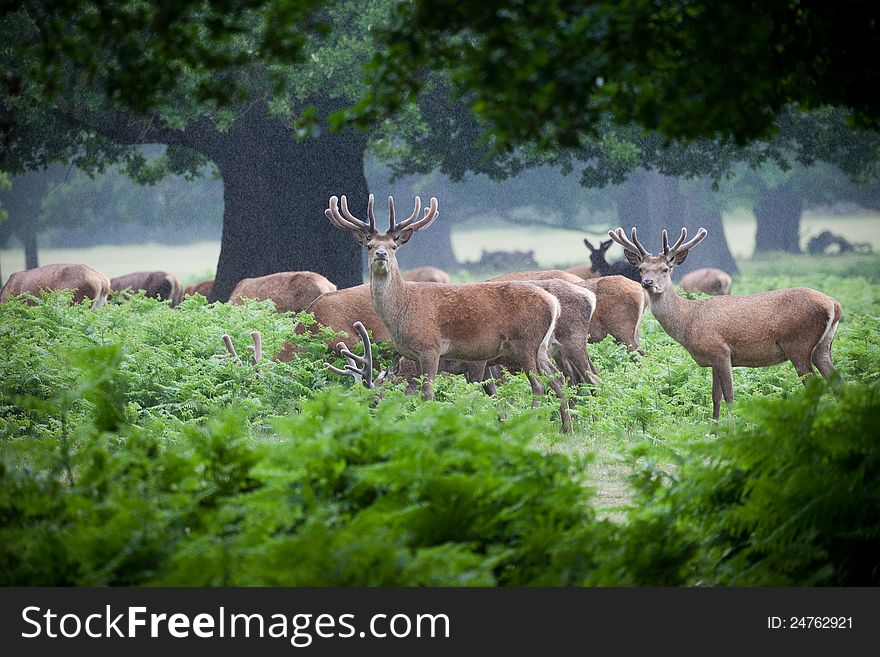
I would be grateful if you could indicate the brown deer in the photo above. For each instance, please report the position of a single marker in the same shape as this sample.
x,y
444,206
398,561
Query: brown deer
x,y
708,280
584,271
84,281
292,291
203,287
158,284
426,275
620,304
339,311
755,330
472,323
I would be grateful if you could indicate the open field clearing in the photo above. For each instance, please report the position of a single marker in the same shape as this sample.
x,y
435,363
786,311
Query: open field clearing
x,y
194,262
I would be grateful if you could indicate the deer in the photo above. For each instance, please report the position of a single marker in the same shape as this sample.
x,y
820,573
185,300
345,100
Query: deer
x,y
708,280
83,280
472,323
722,332
292,291
158,284
620,304
601,267
584,271
426,275
202,287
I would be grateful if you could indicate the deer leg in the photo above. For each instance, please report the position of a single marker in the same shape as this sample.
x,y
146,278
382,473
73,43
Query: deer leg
x,y
823,363
556,385
803,364
592,372
716,394
429,363
725,379
537,389
476,372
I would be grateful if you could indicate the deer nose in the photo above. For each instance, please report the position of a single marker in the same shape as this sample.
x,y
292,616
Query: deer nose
x,y
647,282
382,254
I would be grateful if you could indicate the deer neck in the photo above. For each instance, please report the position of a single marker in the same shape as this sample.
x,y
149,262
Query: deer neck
x,y
388,292
672,311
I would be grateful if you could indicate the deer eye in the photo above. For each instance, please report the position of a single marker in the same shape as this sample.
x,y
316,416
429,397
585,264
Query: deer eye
x,y
665,270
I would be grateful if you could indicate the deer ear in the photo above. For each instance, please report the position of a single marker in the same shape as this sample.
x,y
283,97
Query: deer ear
x,y
360,237
604,245
634,258
589,246
679,257
403,236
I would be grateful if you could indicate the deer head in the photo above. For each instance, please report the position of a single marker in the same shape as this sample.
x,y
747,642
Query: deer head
x,y
597,256
656,271
381,247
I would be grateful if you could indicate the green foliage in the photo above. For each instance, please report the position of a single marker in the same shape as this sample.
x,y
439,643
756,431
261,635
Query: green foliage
x,y
791,497
133,452
643,62
342,494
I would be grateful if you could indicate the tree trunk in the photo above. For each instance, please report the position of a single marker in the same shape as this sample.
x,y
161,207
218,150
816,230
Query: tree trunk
x,y
432,247
275,191
778,212
653,202
31,261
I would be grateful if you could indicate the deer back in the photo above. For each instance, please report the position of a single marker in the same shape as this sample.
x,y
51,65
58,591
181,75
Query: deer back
x,y
426,275
82,279
540,275
708,280
292,291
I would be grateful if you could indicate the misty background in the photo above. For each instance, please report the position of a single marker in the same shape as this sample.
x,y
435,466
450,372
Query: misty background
x,y
62,214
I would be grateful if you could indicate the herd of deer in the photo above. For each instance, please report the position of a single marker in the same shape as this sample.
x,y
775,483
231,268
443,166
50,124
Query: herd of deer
x,y
522,321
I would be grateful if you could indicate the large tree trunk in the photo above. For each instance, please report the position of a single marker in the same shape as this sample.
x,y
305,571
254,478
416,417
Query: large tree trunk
x,y
275,191
653,202
434,246
778,212
29,238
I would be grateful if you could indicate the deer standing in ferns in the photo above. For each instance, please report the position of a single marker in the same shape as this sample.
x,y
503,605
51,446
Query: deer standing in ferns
x,y
472,323
755,330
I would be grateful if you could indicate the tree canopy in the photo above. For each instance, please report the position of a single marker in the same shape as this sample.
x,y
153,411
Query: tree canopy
x,y
548,71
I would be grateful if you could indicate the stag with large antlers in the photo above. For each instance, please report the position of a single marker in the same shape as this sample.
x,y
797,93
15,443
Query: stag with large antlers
x,y
472,323
756,330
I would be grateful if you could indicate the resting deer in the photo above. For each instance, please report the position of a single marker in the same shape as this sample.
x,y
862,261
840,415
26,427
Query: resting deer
x,y
756,330
84,281
158,284
426,275
601,267
473,323
708,280
291,291
203,287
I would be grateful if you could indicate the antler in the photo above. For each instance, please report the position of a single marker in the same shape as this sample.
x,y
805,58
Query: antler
x,y
346,220
678,246
256,349
364,373
633,246
410,223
